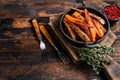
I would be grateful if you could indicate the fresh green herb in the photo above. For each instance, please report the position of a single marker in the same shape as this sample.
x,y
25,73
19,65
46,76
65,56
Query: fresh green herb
x,y
95,56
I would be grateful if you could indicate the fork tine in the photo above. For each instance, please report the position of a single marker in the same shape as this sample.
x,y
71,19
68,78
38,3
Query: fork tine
x,y
44,55
68,60
64,57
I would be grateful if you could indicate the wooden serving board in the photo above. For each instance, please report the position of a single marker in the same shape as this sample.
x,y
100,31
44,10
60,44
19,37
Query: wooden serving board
x,y
112,71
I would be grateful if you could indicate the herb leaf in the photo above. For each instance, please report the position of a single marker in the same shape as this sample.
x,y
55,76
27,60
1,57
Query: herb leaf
x,y
95,56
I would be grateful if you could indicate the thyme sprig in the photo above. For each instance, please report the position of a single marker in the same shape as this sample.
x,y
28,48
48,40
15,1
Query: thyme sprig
x,y
95,56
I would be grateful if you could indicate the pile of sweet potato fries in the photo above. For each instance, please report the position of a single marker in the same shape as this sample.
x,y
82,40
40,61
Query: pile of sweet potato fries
x,y
84,26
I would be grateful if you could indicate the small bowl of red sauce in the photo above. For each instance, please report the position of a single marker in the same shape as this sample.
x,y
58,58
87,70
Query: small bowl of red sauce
x,y
112,12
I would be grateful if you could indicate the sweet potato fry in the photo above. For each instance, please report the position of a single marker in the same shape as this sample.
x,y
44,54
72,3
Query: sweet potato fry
x,y
92,29
87,31
82,25
85,25
101,26
72,19
98,28
78,10
68,26
102,21
75,21
80,33
78,16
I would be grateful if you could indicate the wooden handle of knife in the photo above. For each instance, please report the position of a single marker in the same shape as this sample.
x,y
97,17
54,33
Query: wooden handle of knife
x,y
47,35
35,24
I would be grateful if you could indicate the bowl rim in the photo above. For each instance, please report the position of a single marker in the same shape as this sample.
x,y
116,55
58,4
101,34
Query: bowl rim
x,y
106,15
81,42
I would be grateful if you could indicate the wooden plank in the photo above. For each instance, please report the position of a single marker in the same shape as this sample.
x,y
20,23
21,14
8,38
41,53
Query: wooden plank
x,y
17,34
29,8
109,40
112,70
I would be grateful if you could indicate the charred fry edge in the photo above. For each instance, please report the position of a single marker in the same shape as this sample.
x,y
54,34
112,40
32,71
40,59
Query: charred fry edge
x,y
68,26
98,28
92,29
102,21
78,16
80,33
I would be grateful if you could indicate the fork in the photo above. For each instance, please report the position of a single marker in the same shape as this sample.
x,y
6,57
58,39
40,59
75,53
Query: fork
x,y
62,56
42,44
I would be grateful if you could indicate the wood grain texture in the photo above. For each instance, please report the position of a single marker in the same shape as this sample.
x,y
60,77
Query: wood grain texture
x,y
19,49
29,8
111,71
20,57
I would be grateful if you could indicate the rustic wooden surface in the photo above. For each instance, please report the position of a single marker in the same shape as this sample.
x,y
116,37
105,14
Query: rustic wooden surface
x,y
19,48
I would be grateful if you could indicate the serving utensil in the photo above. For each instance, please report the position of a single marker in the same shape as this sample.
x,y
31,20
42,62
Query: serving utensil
x,y
62,56
42,44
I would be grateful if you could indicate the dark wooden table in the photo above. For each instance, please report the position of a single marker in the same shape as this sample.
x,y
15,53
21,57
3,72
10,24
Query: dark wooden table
x,y
19,47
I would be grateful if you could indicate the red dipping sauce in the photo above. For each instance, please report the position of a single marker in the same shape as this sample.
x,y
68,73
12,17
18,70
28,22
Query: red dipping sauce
x,y
112,11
